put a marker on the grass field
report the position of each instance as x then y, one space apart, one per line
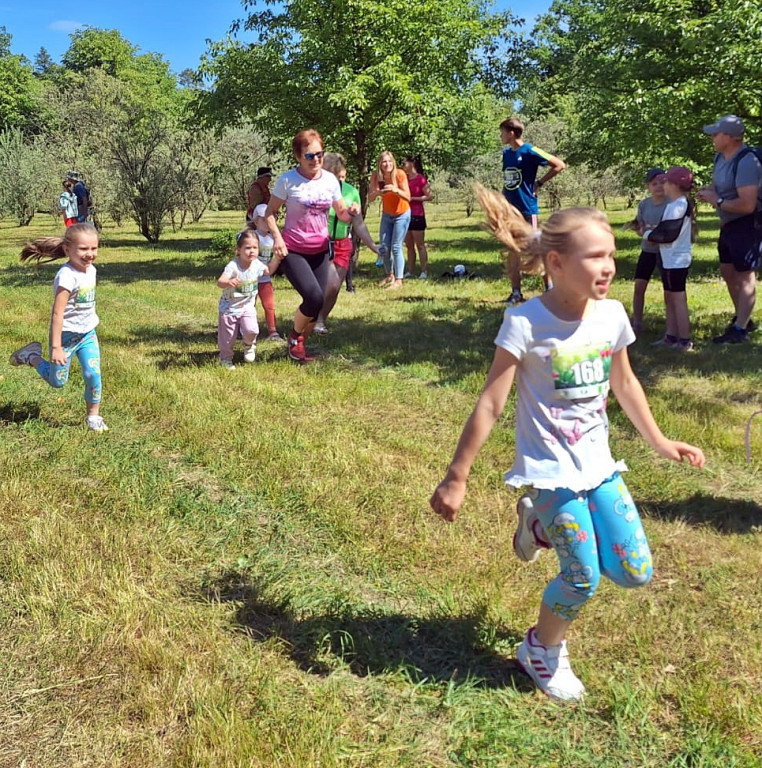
244 570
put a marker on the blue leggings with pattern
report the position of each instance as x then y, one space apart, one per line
85 347
593 532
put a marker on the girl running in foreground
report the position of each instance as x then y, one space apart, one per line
73 319
565 349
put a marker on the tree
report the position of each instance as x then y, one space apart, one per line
640 78
93 48
44 66
150 84
24 177
146 167
383 75
238 154
18 88
115 115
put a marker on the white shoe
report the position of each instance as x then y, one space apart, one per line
250 353
526 541
96 424
21 356
549 668
423 276
227 364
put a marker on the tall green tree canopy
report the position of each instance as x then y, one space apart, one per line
18 87
639 79
149 80
369 74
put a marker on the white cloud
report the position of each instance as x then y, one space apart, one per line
65 26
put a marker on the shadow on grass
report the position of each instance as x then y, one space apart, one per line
120 273
435 649
191 245
18 413
453 335
724 515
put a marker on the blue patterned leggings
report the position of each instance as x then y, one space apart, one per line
85 347
593 532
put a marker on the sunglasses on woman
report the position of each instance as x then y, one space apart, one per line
314 155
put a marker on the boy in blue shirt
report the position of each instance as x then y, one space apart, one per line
521 162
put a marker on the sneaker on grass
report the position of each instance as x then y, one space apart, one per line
96 424
296 349
665 341
250 353
227 364
529 538
515 298
22 356
549 668
734 335
751 326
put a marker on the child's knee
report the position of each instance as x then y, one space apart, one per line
633 574
57 378
579 582
633 570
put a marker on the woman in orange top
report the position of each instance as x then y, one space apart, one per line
390 183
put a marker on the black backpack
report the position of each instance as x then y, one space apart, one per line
753 257
757 152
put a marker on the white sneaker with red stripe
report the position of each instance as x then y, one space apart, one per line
529 538
549 668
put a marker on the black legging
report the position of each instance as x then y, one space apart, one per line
309 276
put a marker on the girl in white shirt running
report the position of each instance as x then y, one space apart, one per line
73 319
565 349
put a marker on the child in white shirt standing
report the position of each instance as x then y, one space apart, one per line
239 281
674 234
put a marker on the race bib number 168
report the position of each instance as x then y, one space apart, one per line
581 372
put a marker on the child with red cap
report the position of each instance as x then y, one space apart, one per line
674 235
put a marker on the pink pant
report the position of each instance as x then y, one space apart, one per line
227 332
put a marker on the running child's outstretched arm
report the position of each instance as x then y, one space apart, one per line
632 398
449 494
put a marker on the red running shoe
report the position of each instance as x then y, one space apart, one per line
296 349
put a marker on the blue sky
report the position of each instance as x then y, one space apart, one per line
176 29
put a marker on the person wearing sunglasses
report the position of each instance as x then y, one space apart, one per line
308 192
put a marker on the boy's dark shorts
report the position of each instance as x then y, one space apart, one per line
646 265
673 280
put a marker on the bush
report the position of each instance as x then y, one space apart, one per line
223 245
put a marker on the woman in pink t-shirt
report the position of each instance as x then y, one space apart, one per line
308 193
420 193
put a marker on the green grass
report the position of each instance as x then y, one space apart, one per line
244 570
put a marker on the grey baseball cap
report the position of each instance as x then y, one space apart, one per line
730 124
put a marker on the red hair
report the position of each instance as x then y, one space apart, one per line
305 138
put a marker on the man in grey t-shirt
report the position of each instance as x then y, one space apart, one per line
734 193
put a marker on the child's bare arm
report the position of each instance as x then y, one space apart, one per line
449 494
632 398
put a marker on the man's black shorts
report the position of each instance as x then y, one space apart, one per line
736 238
